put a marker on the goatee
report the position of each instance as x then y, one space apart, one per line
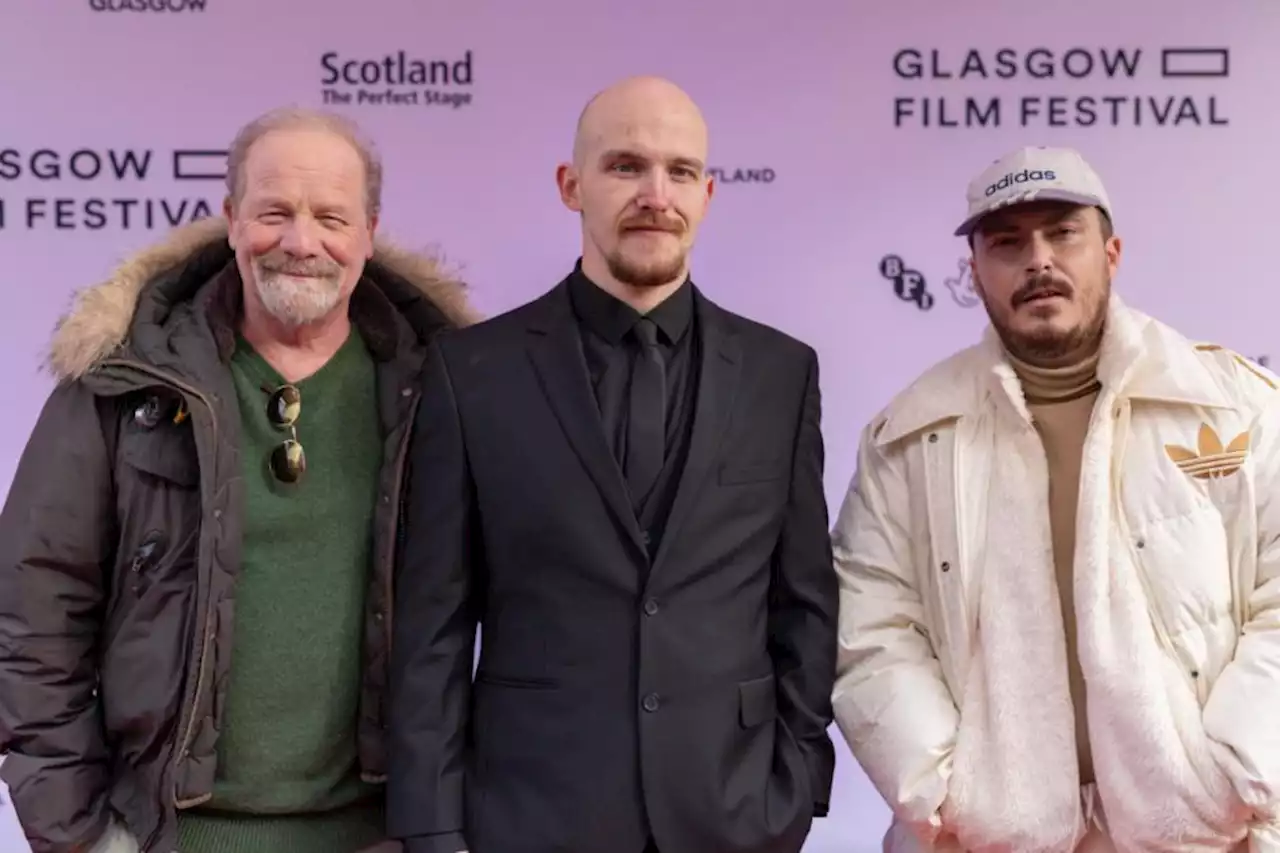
648 275
1049 346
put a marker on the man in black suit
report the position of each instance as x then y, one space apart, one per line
622 483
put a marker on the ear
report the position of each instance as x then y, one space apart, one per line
228 213
1112 249
973 274
373 228
711 187
570 185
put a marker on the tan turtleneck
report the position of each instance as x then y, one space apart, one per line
1061 400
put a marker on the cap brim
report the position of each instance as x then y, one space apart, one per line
969 225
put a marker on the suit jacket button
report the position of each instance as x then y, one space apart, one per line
651 607
651 702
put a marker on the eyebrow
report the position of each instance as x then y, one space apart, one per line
267 202
271 201
625 154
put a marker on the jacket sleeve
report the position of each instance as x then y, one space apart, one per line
433 641
56 533
891 701
804 600
1240 716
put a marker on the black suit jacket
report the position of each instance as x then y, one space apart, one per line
616 698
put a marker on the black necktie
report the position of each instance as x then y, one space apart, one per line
647 416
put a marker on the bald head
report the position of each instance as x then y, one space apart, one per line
640 182
633 106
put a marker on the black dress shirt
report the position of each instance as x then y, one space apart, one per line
605 322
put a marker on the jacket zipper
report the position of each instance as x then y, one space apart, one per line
206 633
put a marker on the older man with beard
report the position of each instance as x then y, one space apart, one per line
1060 561
196 552
625 488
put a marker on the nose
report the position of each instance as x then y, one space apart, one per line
300 237
1039 253
655 191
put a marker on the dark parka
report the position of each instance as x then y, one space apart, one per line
120 538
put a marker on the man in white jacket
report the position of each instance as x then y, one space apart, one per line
1060 562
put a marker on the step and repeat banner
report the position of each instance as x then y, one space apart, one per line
843 135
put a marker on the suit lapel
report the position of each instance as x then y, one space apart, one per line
718 379
556 351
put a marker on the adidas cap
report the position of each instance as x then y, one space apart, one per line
1033 174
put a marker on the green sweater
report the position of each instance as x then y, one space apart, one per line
288 778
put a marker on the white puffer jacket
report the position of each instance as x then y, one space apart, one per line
1177 596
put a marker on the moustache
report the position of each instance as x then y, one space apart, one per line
1041 285
312 268
650 223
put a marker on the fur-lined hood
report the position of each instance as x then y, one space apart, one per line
101 316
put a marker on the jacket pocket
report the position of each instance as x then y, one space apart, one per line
1204 651
1185 565
155 446
158 504
144 559
165 459
516 682
757 701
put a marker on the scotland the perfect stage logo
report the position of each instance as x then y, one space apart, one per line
397 79
1085 86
